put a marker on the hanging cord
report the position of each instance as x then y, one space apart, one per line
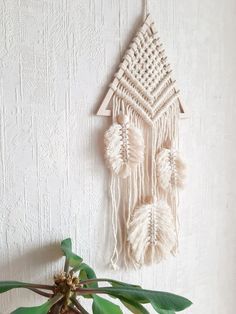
146 9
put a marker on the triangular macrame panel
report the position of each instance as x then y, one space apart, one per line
144 78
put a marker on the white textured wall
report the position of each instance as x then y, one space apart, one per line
56 58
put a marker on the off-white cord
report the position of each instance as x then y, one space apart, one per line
146 9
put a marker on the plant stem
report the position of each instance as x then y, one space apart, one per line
97 280
44 294
85 291
74 310
66 266
56 309
44 287
105 280
79 306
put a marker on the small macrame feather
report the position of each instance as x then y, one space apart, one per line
170 169
124 147
152 232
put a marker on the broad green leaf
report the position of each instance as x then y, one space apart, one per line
116 283
73 259
158 299
134 307
42 309
86 272
8 285
32 310
103 306
165 312
113 283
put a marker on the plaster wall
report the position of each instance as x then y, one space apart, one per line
56 59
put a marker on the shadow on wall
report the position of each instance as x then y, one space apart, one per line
34 261
32 266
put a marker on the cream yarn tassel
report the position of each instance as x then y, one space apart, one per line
151 232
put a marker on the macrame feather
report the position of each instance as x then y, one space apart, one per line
151 232
170 169
124 147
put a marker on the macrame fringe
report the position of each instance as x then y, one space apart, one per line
140 182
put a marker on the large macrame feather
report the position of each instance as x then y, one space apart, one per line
151 232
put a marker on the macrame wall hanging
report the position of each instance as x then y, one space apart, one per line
141 152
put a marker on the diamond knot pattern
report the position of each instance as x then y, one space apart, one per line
146 82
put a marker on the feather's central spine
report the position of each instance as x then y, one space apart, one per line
124 148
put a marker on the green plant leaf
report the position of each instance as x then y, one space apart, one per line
42 309
8 285
73 259
86 272
158 299
116 283
113 283
133 306
103 306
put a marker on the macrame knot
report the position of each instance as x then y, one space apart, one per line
122 119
